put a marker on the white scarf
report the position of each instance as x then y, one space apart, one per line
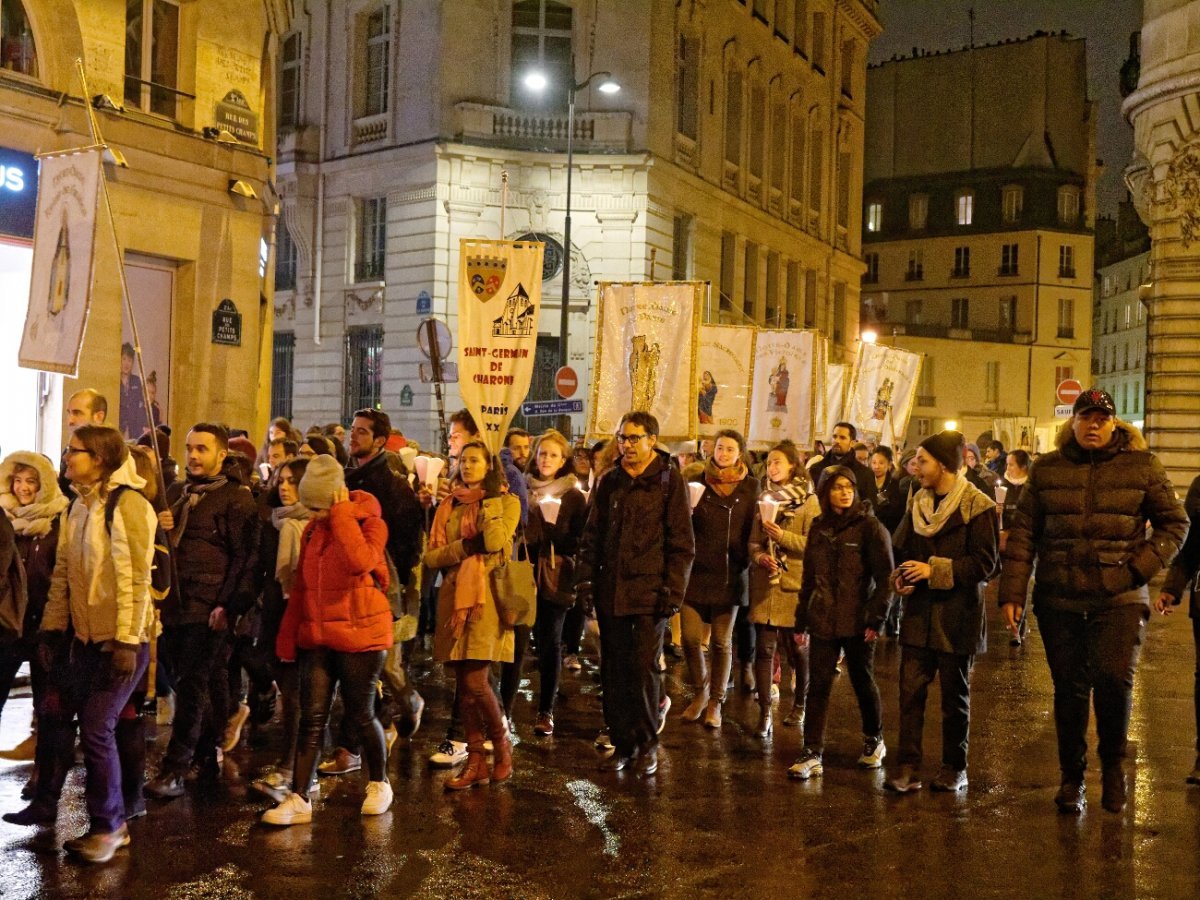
928 521
36 519
1016 482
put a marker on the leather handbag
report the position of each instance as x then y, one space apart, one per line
513 587
556 579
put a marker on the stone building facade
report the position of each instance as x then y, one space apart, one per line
1164 180
185 92
977 226
1119 335
731 154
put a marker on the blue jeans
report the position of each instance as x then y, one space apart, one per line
90 690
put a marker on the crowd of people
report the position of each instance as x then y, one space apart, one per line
264 582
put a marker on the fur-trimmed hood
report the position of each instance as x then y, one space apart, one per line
50 500
1127 437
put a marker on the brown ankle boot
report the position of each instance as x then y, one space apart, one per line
474 772
502 766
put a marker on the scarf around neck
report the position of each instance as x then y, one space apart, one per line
540 488
790 496
1016 482
723 481
281 514
928 521
470 586
35 519
194 490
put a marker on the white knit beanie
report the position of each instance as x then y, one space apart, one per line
322 478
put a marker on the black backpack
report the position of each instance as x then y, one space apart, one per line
160 567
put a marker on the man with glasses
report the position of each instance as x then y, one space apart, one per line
634 561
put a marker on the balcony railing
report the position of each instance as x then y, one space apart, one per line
954 332
593 132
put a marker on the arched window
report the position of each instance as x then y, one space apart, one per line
541 43
17 50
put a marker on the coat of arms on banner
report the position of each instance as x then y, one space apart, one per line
485 275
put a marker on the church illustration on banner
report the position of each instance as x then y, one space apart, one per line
517 320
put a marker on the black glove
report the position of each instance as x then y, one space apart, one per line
49 643
492 483
664 606
474 544
584 597
124 662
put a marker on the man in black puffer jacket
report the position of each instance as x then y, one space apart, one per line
1082 517
214 536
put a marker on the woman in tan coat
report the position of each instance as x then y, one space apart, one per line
777 554
472 528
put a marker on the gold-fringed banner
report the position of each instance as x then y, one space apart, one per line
647 339
499 302
784 388
724 366
882 392
64 239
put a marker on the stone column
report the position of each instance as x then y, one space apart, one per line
1164 179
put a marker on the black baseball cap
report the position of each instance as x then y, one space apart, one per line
1094 398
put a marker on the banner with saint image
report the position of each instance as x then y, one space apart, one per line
784 388
499 301
60 283
647 339
882 392
724 366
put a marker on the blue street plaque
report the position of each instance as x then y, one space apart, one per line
551 407
424 303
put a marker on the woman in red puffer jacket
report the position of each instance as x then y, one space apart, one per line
338 627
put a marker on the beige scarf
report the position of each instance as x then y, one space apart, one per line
928 521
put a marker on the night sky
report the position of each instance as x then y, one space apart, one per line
1107 24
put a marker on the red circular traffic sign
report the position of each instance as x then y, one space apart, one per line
1068 391
566 382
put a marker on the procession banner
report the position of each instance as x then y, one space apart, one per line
784 388
1016 432
647 339
834 397
64 239
724 366
882 392
499 301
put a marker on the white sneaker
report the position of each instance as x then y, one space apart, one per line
295 810
873 753
807 766
449 754
379 798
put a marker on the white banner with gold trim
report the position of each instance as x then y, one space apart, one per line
647 339
784 388
724 366
64 239
882 392
499 302
834 398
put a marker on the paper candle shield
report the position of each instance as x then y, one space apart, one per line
695 492
550 507
767 509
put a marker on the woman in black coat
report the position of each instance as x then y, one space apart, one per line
889 502
844 599
721 522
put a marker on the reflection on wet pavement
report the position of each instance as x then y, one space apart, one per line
719 819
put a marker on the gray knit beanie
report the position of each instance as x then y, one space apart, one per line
322 478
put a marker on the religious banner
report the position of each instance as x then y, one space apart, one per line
834 398
60 283
499 300
783 400
724 366
647 339
882 391
1016 432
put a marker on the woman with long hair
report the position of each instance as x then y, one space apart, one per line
472 529
557 514
777 550
100 605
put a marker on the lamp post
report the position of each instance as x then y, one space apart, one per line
536 81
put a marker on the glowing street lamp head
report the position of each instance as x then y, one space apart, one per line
951 425
869 337
608 86
536 81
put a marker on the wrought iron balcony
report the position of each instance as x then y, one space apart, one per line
596 132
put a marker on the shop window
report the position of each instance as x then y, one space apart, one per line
18 52
152 55
541 42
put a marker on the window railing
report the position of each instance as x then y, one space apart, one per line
369 269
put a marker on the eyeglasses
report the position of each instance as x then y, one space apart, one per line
71 451
630 438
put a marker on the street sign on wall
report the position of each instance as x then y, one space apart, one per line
551 407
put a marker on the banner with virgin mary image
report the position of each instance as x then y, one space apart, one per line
646 342
882 392
784 388
724 366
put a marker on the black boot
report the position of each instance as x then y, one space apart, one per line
1113 797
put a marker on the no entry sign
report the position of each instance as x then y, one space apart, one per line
566 382
1068 391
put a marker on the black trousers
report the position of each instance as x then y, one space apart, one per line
12 654
1092 660
629 650
321 671
918 666
573 630
1196 640
860 663
549 630
199 659
510 673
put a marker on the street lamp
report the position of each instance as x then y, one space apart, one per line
869 337
537 82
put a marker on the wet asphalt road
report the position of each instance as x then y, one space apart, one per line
719 819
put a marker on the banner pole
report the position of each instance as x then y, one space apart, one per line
503 199
98 140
